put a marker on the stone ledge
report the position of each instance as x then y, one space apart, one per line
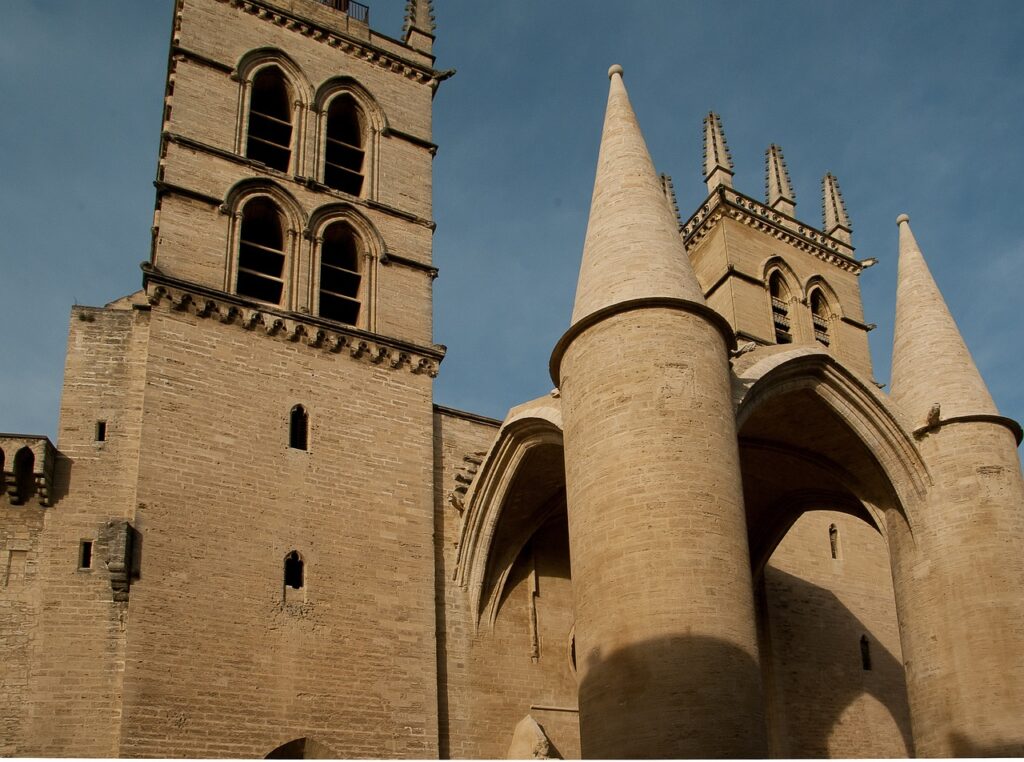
312 332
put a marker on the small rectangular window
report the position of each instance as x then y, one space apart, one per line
101 431
85 554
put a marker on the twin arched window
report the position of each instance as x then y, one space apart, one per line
262 259
270 132
781 300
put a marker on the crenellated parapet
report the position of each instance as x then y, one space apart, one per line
316 334
726 202
27 468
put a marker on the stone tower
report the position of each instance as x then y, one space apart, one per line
210 420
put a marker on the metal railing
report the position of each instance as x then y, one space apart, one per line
351 8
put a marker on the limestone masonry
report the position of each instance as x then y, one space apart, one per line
257 536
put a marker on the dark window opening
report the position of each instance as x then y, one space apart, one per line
833 540
261 252
85 555
101 431
270 120
24 479
819 316
3 475
343 147
298 428
294 576
780 308
339 274
865 653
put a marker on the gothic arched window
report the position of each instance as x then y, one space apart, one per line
261 251
780 308
820 314
340 276
270 120
343 146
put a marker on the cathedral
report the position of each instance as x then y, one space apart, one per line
258 536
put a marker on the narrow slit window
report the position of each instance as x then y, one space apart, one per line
270 120
820 316
340 278
298 428
865 653
833 540
343 146
780 308
294 572
101 431
85 554
261 252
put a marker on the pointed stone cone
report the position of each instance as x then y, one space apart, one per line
930 362
418 27
633 249
778 190
717 159
835 220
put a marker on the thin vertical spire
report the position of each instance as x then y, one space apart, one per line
833 209
717 159
778 190
419 17
633 248
933 374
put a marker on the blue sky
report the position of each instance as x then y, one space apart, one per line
916 107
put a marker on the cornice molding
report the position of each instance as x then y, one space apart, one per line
475 417
648 302
355 47
390 257
179 53
726 202
308 182
1000 420
314 333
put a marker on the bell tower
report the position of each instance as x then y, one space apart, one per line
776 279
275 421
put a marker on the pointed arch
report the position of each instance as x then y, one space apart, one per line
274 95
261 261
779 279
350 123
860 408
346 251
526 444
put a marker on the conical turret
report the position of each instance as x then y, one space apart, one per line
778 190
418 27
930 362
835 220
717 159
633 249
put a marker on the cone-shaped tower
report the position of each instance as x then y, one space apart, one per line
418 27
632 249
778 190
930 362
835 220
717 159
960 583
666 642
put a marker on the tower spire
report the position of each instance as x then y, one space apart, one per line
930 362
717 159
419 25
835 220
778 190
633 248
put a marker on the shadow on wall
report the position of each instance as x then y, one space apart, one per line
816 670
677 697
965 747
